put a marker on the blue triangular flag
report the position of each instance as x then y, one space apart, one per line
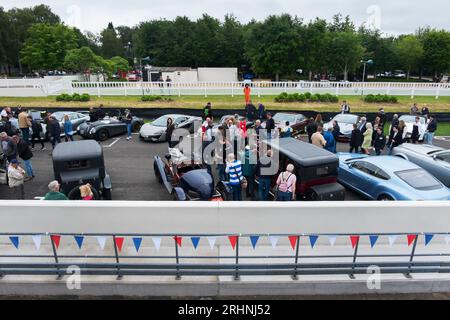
15 241
254 240
373 240
79 240
428 238
195 241
313 240
137 243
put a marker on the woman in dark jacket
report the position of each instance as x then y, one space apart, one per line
355 139
169 131
36 127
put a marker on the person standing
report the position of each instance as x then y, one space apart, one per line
355 139
417 131
379 142
54 192
169 131
207 112
9 147
36 127
317 138
68 128
319 120
234 170
330 142
345 108
431 129
101 114
249 171
93 116
395 139
311 128
425 111
54 130
16 176
128 119
382 115
24 152
247 93
221 153
261 111
286 184
250 112
264 179
414 110
286 132
336 130
367 142
24 125
270 125
207 139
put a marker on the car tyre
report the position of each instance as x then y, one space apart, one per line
385 197
137 127
103 135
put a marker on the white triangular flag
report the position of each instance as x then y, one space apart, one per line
392 240
212 242
37 239
274 241
101 242
332 240
157 243
447 239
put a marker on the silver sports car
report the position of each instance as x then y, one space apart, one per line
156 130
431 158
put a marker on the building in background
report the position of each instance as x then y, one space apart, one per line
189 75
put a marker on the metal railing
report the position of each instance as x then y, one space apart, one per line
118 263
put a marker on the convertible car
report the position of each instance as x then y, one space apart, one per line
409 121
108 127
297 121
187 179
389 178
433 159
345 122
156 131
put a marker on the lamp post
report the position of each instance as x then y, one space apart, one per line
368 62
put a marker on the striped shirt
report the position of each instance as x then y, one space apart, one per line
234 169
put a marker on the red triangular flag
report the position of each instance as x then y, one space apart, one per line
233 241
179 240
293 241
411 238
355 240
119 243
56 240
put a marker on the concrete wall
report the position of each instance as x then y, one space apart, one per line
217 74
182 76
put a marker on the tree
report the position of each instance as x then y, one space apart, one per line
345 52
118 64
111 44
273 46
230 39
315 39
409 51
47 45
436 57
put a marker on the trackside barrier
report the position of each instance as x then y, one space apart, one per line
234 239
260 88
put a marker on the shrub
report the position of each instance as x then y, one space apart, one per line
315 98
370 98
75 97
85 97
302 97
308 95
152 98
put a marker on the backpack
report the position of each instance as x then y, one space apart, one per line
284 187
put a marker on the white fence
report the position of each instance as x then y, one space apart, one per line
10 87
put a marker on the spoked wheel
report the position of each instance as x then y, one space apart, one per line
103 135
385 197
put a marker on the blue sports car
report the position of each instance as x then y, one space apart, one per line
389 178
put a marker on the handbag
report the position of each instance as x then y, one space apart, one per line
244 182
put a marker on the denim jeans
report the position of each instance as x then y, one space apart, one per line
28 168
129 130
429 138
284 196
237 192
263 189
221 172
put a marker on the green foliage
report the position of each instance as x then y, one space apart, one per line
155 98
409 52
370 98
75 97
306 97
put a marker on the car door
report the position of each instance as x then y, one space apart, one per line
76 121
361 177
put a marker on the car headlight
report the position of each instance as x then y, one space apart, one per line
92 131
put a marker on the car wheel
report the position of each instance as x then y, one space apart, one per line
385 197
136 127
103 135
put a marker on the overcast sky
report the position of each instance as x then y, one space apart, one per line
391 16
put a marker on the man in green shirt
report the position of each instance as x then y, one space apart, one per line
54 193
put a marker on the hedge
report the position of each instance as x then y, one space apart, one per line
306 97
379 98
154 98
75 97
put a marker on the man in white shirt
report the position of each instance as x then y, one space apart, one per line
16 177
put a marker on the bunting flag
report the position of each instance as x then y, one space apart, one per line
137 243
373 240
354 240
392 239
119 243
212 242
37 239
313 240
332 240
254 240
293 240
274 241
157 243
411 239
178 240
447 238
233 241
56 239
15 241
79 240
428 238
101 242
195 242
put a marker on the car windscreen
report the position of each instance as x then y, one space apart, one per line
283 117
59 115
161 122
346 118
419 179
444 156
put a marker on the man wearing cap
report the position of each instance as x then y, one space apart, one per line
128 118
16 179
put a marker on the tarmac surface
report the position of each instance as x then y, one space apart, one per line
130 165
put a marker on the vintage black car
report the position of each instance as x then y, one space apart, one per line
108 127
78 163
3 170
316 169
187 179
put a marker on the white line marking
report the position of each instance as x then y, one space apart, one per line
113 143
